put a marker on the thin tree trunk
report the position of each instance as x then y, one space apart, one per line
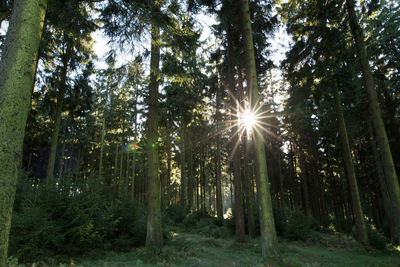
218 177
103 131
121 165
269 238
377 121
154 235
303 176
58 112
350 173
189 169
239 216
115 166
134 155
169 167
17 68
183 194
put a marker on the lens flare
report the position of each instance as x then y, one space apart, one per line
249 120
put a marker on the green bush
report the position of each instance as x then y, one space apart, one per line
175 213
193 218
299 226
343 225
72 219
376 238
280 214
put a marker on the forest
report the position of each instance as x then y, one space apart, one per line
199 133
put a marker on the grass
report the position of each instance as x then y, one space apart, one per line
191 249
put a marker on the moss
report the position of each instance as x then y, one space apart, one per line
17 69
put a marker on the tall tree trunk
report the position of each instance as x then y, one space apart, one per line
58 112
17 68
247 178
169 167
382 184
183 193
269 239
218 191
115 166
247 187
304 180
203 179
218 177
350 173
103 131
239 216
189 168
154 233
376 118
134 155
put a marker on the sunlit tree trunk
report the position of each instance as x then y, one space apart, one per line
154 233
267 225
247 180
350 173
58 112
376 118
17 69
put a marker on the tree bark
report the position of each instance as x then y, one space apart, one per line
377 121
183 192
154 233
239 216
134 155
350 173
269 238
17 68
382 184
103 131
218 189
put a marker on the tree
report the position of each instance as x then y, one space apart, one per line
17 70
267 225
154 233
376 118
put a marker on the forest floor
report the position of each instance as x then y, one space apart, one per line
193 249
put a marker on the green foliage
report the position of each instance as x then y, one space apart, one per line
70 219
203 223
280 217
376 238
342 225
176 213
299 226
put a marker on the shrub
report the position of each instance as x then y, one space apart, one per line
73 219
280 214
343 225
299 226
376 238
175 213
